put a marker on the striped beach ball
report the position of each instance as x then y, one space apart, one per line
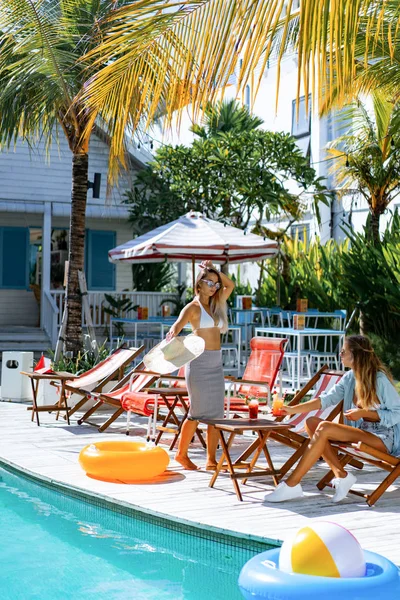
324 549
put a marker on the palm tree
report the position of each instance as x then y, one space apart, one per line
42 43
198 45
367 160
225 116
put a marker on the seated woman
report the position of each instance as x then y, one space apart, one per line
372 415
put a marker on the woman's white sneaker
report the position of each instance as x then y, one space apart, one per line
342 486
284 492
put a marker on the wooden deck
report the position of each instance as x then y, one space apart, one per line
51 451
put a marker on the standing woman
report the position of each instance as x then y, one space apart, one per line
207 315
372 415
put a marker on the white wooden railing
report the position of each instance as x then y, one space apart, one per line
51 317
97 302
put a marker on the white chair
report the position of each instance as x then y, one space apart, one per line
290 360
231 349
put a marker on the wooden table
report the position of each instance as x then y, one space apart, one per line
172 397
35 380
234 427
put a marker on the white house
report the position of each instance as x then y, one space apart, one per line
34 223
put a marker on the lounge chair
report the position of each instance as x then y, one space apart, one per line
93 380
134 382
297 437
260 374
129 395
172 400
366 454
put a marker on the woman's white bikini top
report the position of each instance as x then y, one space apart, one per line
206 320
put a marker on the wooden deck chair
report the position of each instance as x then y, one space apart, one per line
297 437
171 403
259 376
94 380
366 454
129 395
136 381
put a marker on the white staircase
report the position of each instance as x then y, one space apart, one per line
19 338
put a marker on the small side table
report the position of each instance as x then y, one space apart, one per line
35 380
172 397
263 428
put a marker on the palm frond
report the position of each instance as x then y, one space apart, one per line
154 54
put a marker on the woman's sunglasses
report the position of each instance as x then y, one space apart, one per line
211 284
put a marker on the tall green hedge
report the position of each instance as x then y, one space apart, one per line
345 275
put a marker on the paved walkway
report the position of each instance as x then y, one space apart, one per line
51 451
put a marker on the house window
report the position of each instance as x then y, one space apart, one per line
247 96
100 273
301 126
304 144
14 263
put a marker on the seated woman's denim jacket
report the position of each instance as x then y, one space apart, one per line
388 409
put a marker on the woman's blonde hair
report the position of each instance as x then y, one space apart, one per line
366 366
218 307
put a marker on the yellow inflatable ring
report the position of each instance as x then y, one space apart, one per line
123 461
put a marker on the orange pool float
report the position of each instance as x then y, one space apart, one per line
123 461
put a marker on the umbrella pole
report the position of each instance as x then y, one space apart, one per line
193 277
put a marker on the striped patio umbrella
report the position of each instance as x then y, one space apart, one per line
194 237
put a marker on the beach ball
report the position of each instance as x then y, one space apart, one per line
325 549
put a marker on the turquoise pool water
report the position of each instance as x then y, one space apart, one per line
56 547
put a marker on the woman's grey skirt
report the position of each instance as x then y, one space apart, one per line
205 383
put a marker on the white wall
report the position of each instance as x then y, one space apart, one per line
19 307
28 176
31 175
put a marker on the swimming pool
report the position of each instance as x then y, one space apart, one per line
55 546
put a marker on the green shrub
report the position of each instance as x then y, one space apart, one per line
343 275
389 353
84 361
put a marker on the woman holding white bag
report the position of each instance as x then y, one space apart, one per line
207 315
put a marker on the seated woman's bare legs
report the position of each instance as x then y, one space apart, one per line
329 455
187 432
325 432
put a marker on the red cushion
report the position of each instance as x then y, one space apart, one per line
139 402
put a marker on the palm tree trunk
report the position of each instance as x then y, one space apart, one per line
80 164
375 218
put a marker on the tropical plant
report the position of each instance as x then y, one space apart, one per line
180 301
343 275
117 308
367 158
372 273
308 270
151 277
82 362
224 116
43 73
339 43
241 288
236 175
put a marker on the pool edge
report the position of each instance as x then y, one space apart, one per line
121 506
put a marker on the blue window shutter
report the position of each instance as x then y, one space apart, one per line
14 243
100 272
